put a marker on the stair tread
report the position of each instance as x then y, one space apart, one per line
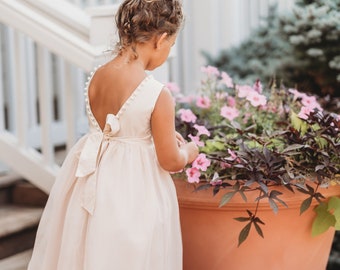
16 262
16 218
9 179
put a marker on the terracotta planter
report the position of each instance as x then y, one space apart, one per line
210 234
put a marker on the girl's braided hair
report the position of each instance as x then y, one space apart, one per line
138 21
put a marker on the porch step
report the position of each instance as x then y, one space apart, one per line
7 183
21 206
18 225
16 262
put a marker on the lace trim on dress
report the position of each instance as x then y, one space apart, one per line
121 110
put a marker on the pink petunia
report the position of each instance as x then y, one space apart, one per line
304 112
187 115
173 87
226 79
258 86
202 130
243 90
186 99
229 112
201 162
193 175
221 95
231 101
224 165
296 93
210 71
196 140
203 102
232 154
256 99
311 102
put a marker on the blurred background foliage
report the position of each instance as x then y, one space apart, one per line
300 49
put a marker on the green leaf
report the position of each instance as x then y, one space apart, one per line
324 219
305 204
273 205
242 219
244 234
293 147
298 123
226 198
334 206
244 197
258 229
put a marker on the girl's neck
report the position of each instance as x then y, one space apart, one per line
125 60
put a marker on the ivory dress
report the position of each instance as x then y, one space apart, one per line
112 205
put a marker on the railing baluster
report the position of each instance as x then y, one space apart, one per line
10 77
2 101
69 95
45 104
31 83
20 90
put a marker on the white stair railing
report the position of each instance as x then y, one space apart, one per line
47 53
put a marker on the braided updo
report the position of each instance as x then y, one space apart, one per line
138 21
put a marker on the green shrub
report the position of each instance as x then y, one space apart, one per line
300 48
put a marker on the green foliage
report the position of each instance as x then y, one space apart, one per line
328 215
252 220
300 48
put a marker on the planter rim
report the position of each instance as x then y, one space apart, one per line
204 199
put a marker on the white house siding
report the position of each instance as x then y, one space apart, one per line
212 25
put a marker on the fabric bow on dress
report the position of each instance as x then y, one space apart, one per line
90 158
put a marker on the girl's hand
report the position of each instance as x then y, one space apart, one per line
180 139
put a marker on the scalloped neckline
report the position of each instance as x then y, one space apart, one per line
121 109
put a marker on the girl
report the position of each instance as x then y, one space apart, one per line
114 204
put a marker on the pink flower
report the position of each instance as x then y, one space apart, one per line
310 101
304 112
296 93
193 175
196 140
232 154
258 86
187 115
243 90
203 102
221 95
256 99
202 130
186 99
210 71
231 101
173 87
216 182
246 117
224 165
229 113
226 79
201 162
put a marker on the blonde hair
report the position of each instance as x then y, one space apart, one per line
138 21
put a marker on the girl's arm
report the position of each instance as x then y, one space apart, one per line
172 155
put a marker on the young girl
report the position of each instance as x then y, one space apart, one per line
114 204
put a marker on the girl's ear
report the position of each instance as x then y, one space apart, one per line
160 39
